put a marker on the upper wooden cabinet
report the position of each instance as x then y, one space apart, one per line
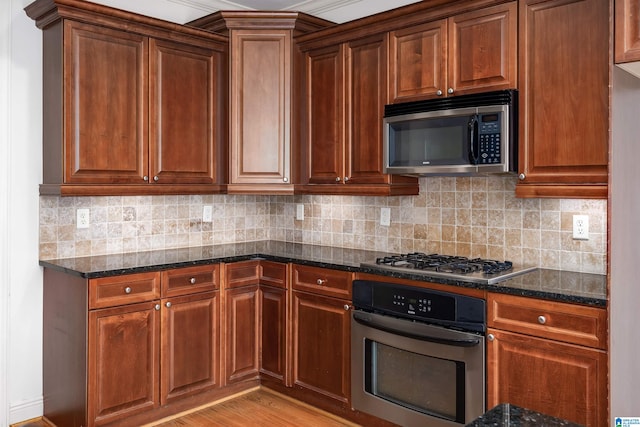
564 98
345 98
469 52
262 69
132 105
627 25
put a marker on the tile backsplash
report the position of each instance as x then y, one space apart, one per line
470 216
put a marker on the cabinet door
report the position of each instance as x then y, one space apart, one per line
418 61
242 326
124 362
105 105
183 112
190 345
322 345
564 98
260 107
483 49
273 332
627 28
325 109
367 96
562 380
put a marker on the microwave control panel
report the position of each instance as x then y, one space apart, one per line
489 141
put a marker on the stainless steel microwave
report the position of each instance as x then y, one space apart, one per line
460 135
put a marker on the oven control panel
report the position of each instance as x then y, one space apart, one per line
420 304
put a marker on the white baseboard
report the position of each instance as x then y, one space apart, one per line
26 410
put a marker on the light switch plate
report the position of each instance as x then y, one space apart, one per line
385 216
207 213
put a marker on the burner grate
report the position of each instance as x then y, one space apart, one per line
445 263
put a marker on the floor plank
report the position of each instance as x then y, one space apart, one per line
259 408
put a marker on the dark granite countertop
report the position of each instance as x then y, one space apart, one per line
506 415
555 285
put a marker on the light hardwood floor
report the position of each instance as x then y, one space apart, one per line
259 407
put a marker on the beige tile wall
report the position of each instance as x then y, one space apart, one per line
478 217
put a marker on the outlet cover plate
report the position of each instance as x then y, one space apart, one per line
581 227
82 218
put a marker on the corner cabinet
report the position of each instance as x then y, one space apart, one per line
263 115
564 98
344 103
469 52
132 105
256 321
549 357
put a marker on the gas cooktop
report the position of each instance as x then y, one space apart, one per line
475 270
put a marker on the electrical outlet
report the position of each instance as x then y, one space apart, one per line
82 218
581 227
300 212
385 216
207 213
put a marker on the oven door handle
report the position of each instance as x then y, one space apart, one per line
380 324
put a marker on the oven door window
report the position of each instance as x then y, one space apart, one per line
422 383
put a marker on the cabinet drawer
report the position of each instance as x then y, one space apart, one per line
126 289
189 280
241 273
273 274
322 281
569 323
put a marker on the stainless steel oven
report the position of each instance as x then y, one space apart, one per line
418 355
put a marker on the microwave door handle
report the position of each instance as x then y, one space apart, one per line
473 143
380 324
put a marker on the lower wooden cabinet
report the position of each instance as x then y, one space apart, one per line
322 345
563 380
256 314
273 333
119 347
123 362
190 345
242 351
549 357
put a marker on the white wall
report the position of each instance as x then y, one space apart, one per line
20 164
5 23
625 248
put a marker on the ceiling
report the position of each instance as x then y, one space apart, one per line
181 11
